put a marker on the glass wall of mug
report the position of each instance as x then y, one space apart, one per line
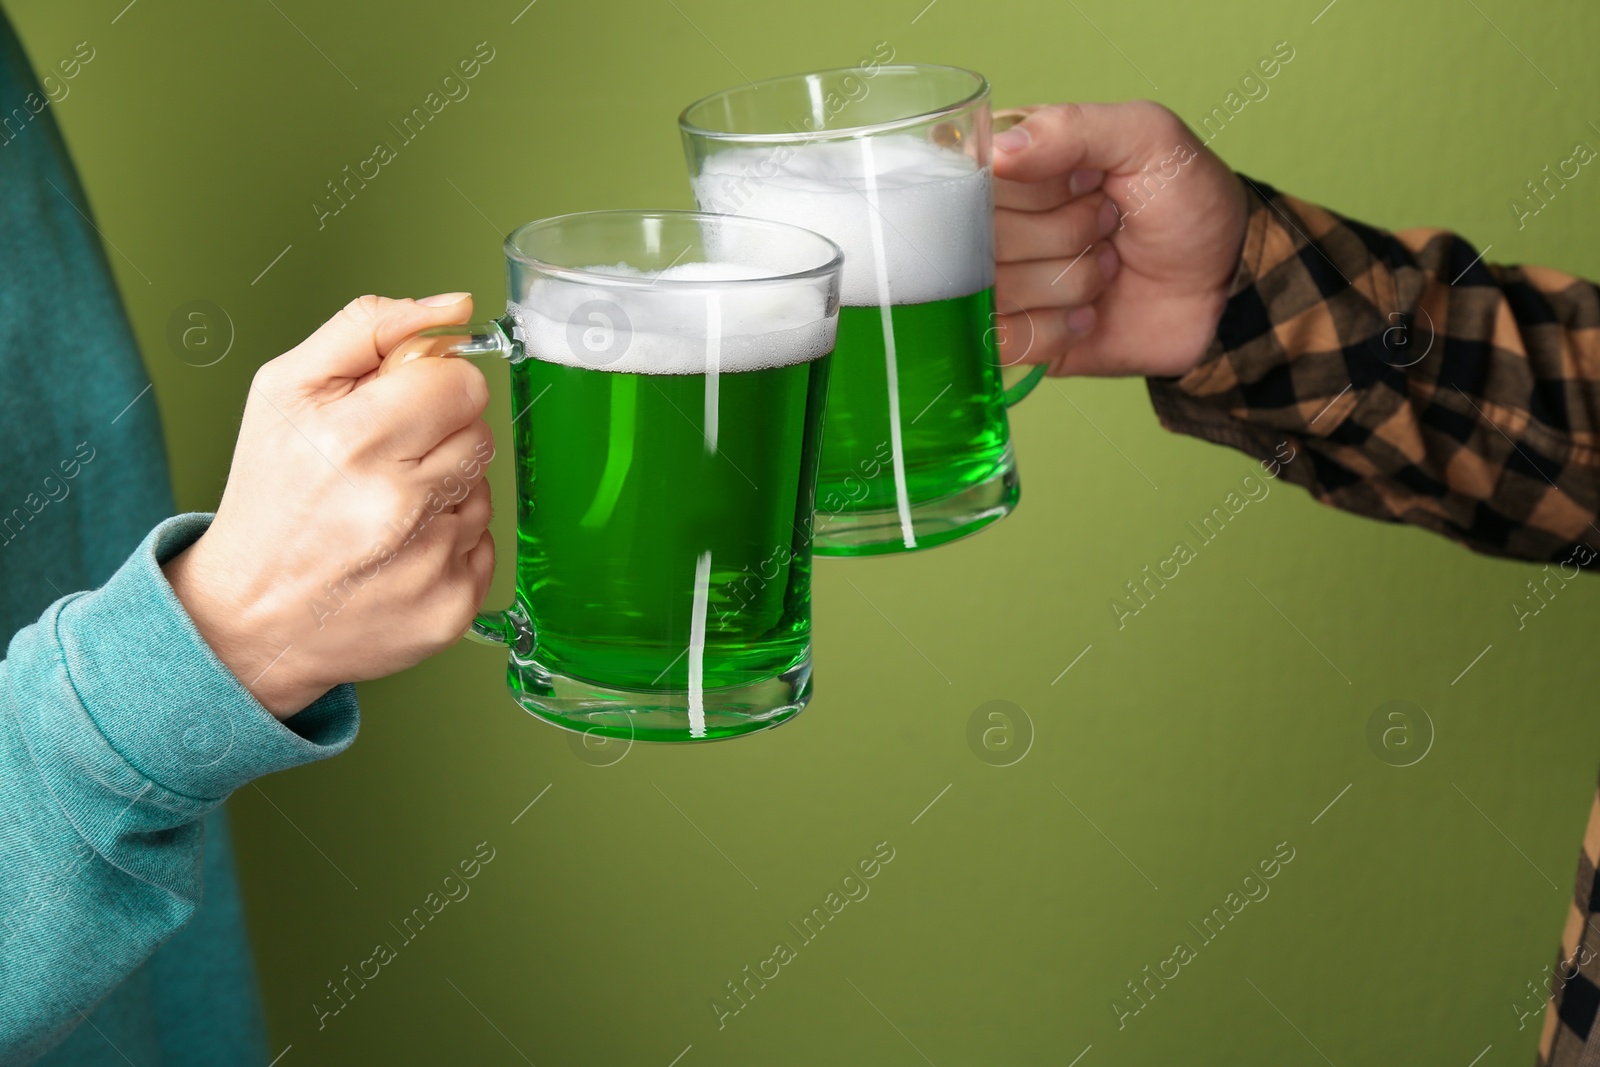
893 164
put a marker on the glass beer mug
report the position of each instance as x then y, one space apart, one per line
668 375
893 164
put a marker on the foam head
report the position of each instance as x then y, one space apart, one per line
737 320
907 212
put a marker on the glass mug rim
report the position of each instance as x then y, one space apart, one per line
513 248
975 98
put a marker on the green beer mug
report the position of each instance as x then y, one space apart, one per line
892 163
668 376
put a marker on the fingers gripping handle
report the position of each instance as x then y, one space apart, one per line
1004 120
510 627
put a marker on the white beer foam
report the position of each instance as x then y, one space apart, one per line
670 330
933 207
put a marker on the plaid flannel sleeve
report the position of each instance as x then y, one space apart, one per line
1423 385
1570 1036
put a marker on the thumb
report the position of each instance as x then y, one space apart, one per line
1059 138
352 343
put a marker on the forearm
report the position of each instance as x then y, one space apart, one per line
1419 384
119 731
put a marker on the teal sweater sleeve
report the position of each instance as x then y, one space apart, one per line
119 730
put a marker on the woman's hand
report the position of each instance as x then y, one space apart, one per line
351 541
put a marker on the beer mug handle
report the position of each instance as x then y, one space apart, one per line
1024 386
499 337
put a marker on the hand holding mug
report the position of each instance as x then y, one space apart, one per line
1167 214
351 541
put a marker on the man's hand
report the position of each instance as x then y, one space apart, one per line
351 540
1162 217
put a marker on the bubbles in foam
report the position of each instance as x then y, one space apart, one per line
670 329
933 209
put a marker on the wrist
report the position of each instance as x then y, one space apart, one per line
246 630
1234 272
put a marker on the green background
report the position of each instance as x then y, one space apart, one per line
1190 743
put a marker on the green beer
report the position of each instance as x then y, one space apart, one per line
624 519
916 446
953 427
